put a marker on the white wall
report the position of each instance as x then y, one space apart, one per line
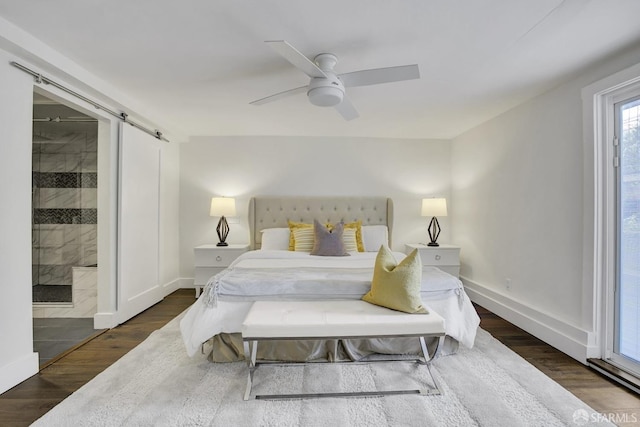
522 195
17 360
242 167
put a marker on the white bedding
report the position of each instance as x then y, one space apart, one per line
288 275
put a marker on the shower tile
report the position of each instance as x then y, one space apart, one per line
59 198
89 180
89 255
85 278
65 216
51 235
50 255
52 163
92 141
37 312
73 162
88 198
51 293
72 255
54 275
89 162
88 234
84 301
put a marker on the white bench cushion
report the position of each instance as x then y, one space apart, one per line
327 319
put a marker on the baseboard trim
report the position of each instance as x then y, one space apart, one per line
186 283
571 340
17 371
171 286
104 320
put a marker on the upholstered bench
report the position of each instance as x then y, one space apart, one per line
326 320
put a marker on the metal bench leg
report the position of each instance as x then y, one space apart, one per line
250 352
427 362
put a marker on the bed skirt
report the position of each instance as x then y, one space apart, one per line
226 347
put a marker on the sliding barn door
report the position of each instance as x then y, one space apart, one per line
139 223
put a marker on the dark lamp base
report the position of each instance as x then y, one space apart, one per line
222 244
433 244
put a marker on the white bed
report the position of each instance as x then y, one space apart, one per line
270 273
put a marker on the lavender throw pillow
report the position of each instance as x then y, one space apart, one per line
328 242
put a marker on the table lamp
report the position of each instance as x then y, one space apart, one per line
434 207
222 207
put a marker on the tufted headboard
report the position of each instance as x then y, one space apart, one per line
275 212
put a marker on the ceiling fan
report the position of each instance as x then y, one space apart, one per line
326 88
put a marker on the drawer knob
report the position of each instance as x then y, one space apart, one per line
438 257
218 258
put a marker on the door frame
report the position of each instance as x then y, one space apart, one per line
599 230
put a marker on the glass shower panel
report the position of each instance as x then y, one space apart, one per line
64 208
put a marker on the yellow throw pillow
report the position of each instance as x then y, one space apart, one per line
397 286
357 225
349 239
293 226
304 239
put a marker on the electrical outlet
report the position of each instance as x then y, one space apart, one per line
507 283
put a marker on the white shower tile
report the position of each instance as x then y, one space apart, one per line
85 277
89 162
52 162
50 255
51 235
59 198
88 198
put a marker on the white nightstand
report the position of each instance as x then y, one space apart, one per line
445 257
211 260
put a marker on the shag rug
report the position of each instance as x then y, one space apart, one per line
157 384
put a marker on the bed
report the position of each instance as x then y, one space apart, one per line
270 271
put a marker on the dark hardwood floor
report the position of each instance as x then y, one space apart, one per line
29 400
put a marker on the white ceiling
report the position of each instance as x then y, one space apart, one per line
198 63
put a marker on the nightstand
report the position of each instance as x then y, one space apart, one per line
445 257
211 260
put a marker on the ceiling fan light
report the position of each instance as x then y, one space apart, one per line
325 96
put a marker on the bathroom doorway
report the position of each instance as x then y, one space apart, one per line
64 226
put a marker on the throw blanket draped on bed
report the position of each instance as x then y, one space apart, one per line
287 275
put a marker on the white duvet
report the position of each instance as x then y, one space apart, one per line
287 275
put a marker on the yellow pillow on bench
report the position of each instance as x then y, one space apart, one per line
397 286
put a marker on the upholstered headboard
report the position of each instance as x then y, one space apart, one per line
275 212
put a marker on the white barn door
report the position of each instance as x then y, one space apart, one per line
138 223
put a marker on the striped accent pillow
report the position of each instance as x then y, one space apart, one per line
349 240
303 239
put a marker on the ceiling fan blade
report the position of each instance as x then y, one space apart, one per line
280 95
380 75
347 110
292 55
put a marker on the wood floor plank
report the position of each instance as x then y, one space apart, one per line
31 399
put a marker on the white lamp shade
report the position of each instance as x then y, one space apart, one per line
223 206
434 207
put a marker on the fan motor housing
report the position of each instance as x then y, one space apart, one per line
325 92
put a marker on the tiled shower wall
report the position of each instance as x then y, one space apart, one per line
64 205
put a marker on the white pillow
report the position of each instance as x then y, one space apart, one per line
275 239
374 236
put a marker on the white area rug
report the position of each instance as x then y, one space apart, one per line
157 384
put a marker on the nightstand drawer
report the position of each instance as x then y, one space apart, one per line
438 257
203 274
206 257
445 257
